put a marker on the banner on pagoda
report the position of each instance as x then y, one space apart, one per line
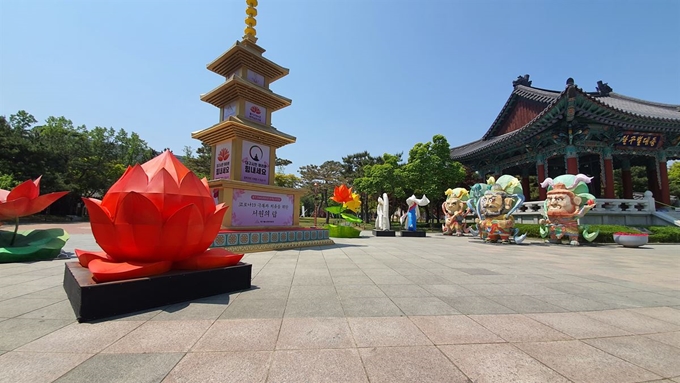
223 161
255 163
257 208
640 140
256 112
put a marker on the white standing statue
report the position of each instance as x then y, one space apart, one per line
413 213
382 222
303 210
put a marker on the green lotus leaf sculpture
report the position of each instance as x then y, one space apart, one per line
32 245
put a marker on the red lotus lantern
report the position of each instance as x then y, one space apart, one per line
156 217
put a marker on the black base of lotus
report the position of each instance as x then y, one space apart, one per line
91 300
384 233
406 233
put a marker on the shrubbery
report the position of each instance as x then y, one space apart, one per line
658 234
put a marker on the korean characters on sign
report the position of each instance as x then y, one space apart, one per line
255 163
223 161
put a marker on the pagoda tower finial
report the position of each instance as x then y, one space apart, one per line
251 11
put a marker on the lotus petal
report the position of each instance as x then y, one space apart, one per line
138 227
103 230
212 226
210 259
134 180
85 257
103 271
26 189
181 234
193 191
14 208
170 163
41 203
164 192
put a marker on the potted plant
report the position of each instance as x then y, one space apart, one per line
631 239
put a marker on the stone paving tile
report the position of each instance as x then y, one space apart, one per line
314 333
612 300
346 272
83 338
313 280
428 279
578 325
448 290
35 367
585 363
59 310
161 336
424 306
492 363
574 302
526 304
454 329
409 364
670 338
359 291
654 356
647 298
317 292
518 328
266 292
18 331
317 307
240 335
666 314
632 322
56 292
391 331
476 305
404 291
352 280
368 307
319 366
223 367
123 368
191 311
17 306
390 280
255 308
278 280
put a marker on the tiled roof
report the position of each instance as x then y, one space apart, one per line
639 107
615 101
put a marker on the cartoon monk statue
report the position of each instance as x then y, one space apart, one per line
567 200
495 209
455 209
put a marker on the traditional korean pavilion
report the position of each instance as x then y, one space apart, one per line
545 133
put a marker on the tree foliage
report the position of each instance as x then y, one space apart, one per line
674 179
85 162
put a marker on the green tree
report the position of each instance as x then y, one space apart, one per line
199 164
674 179
430 171
320 181
353 168
384 177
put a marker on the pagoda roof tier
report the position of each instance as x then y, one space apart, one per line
236 127
248 54
236 86
529 111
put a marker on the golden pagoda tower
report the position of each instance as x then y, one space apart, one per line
244 144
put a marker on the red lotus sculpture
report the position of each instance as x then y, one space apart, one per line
25 199
156 217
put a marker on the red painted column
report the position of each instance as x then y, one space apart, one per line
626 179
526 186
540 173
572 160
653 180
665 195
608 175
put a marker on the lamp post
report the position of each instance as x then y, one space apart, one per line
316 203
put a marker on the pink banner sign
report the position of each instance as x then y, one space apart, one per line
256 208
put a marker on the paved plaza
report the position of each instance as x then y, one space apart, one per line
372 309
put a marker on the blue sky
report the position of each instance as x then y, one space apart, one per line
375 75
